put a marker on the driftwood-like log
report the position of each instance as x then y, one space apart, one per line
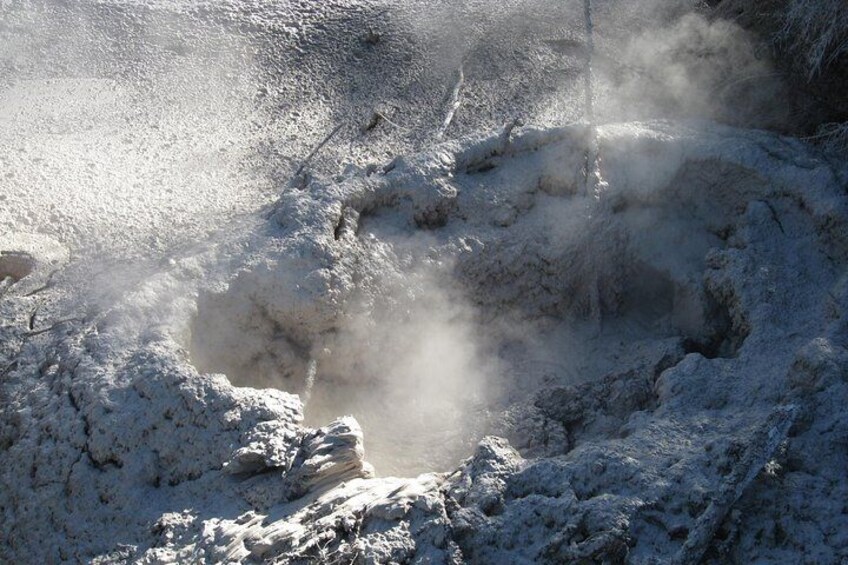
760 451
453 102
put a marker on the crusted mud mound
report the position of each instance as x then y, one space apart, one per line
656 373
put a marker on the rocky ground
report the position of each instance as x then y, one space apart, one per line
437 341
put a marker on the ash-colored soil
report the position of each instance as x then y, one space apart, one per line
434 344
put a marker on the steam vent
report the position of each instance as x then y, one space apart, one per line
423 282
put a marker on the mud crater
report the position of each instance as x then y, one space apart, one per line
603 275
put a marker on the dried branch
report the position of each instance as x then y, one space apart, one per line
318 148
760 451
594 182
53 327
454 101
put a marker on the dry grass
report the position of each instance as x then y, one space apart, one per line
817 31
809 39
813 31
832 137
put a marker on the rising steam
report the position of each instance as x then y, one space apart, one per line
416 369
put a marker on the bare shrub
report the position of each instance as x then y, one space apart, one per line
817 31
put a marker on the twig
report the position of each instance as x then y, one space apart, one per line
507 131
53 327
390 122
490 160
588 90
318 148
831 136
830 129
378 117
594 182
454 101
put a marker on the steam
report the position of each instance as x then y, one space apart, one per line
415 367
691 67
